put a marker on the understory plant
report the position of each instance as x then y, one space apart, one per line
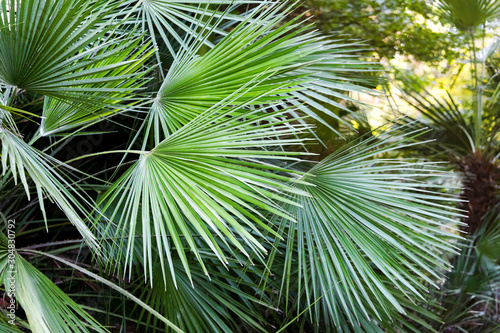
466 134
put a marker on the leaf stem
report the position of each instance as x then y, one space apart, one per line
477 88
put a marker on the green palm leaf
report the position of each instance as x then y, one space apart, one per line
204 179
356 241
48 308
334 72
19 158
216 305
468 14
61 115
295 61
61 49
451 132
6 328
368 225
193 84
177 23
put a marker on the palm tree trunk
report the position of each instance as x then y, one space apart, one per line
480 190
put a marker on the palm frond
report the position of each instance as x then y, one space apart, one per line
20 159
318 77
469 295
62 115
61 49
220 304
205 179
468 14
47 307
451 131
335 72
193 83
177 23
367 225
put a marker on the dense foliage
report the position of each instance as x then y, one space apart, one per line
157 175
408 28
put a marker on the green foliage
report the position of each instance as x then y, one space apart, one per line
202 180
72 55
469 294
19 158
331 251
47 307
465 132
193 84
159 147
469 14
389 27
214 305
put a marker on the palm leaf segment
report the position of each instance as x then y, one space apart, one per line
295 64
62 50
193 84
212 304
205 179
47 307
334 72
451 128
208 175
19 158
367 226
468 14
177 23
63 115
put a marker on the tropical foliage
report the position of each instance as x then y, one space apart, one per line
465 133
157 176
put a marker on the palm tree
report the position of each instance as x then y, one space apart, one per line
465 133
152 182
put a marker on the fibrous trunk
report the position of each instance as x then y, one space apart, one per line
480 176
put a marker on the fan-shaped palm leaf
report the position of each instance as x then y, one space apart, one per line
20 158
204 179
468 14
334 72
177 23
451 132
319 74
62 49
367 226
216 305
60 115
193 84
